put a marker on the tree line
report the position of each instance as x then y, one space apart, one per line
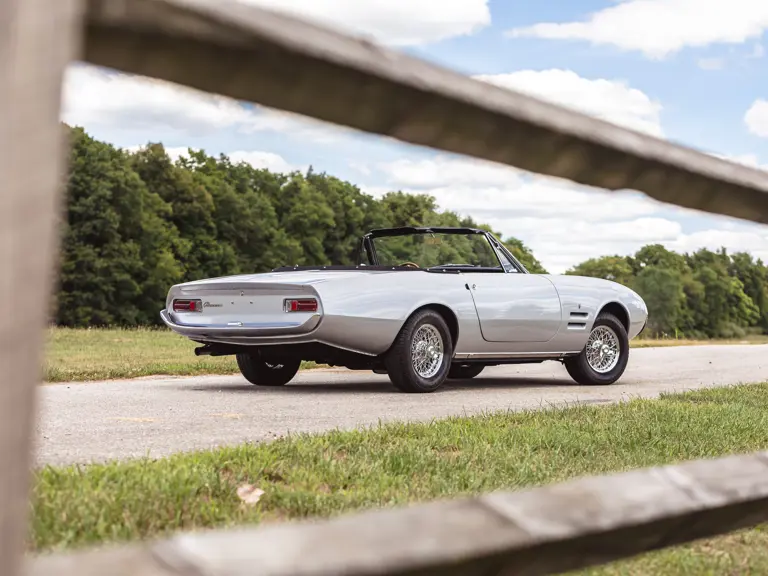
705 294
136 223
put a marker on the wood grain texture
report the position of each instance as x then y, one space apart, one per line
259 56
262 57
546 530
37 40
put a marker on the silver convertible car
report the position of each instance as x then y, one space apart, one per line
421 305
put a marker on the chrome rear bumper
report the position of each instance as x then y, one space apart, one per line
241 329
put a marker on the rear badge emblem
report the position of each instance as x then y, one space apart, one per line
209 305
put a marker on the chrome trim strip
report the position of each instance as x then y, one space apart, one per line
505 355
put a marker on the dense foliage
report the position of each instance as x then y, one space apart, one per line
136 223
700 295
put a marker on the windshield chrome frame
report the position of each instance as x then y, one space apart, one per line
498 247
368 247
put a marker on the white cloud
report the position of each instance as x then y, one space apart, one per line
611 100
123 105
394 22
449 171
99 98
263 160
658 28
607 239
711 63
738 238
360 167
750 160
173 153
560 243
539 197
756 118
258 159
563 223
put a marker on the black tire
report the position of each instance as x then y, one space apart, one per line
579 368
465 371
399 361
261 373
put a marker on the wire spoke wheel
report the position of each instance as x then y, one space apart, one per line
603 349
420 357
262 373
427 351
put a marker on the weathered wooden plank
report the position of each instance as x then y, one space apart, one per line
547 530
37 40
278 61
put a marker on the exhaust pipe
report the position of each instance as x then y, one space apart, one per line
217 350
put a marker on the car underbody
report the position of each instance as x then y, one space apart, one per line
327 355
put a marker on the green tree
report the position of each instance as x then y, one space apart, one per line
116 254
524 255
615 268
137 223
753 275
725 309
247 222
662 290
192 213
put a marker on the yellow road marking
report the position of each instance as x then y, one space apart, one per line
130 419
228 415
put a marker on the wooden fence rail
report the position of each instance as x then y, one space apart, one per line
547 530
255 55
270 59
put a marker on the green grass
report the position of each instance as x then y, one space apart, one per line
102 354
664 342
325 475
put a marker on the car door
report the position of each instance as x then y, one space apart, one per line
514 306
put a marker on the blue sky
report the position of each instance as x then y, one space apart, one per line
686 70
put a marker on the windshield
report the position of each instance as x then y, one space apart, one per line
436 250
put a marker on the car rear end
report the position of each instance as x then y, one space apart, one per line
245 310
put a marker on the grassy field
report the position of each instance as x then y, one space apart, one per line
660 343
101 354
325 475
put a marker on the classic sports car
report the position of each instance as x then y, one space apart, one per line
421 305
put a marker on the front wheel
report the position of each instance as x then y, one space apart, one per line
262 373
420 357
605 355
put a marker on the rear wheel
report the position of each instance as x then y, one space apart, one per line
420 358
262 373
605 355
465 371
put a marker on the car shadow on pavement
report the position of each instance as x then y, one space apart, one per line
496 382
383 386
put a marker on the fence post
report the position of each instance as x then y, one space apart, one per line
38 38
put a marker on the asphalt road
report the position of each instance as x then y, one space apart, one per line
158 416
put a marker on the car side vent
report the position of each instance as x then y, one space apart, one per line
578 325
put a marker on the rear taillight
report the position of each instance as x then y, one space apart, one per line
187 305
300 305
